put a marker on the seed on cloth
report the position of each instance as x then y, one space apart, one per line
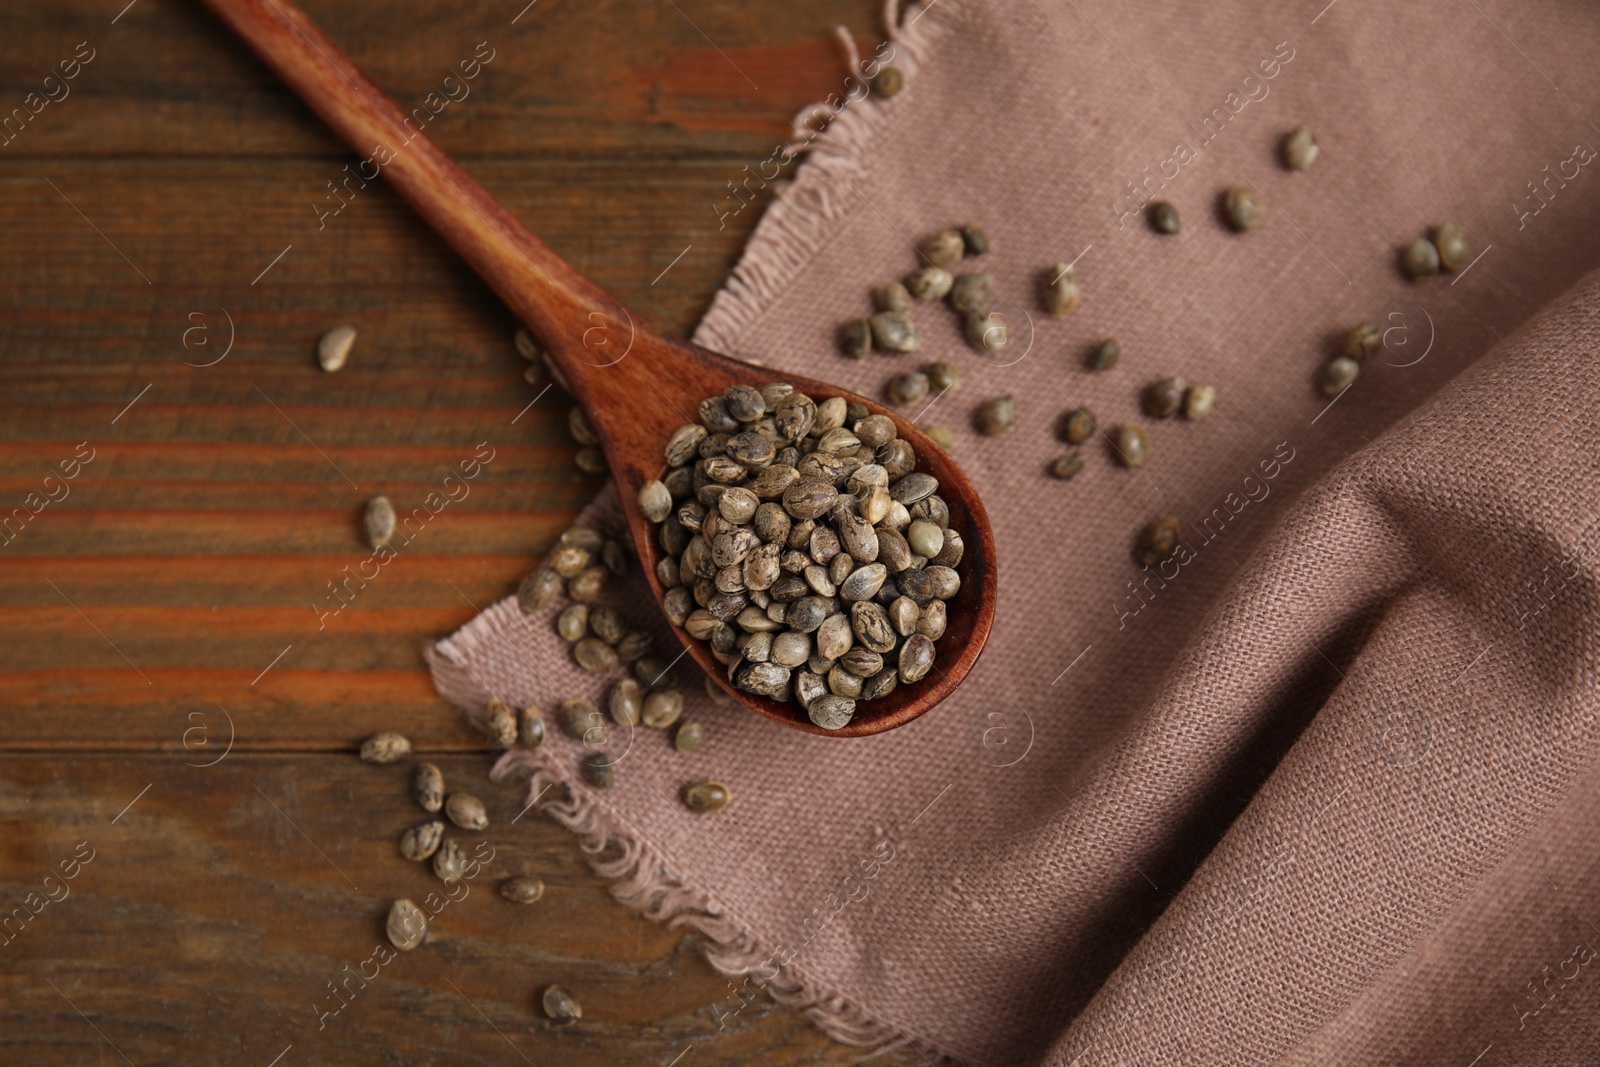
1242 208
538 590
1338 375
986 331
527 347
466 811
531 726
893 331
944 248
1163 217
971 292
422 840
941 436
1061 290
560 1007
406 926
573 623
594 655
598 770
1132 444
1158 540
929 283
626 702
654 673
655 503
1066 466
892 296
1105 354
942 376
855 338
1163 398
1299 148
589 583
606 623
1078 426
888 81
661 708
706 797
379 521
524 889
448 862
385 748
568 561
1451 242
975 240
1199 401
333 349
582 722
831 711
1420 259
427 787
1363 342
688 736
500 725
907 388
995 417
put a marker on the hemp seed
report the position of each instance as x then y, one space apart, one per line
892 296
704 798
944 248
907 388
500 725
626 702
1131 444
655 502
525 889
448 862
527 347
407 925
929 283
971 292
941 436
1363 342
893 331
385 748
1078 426
466 811
531 726
831 711
1067 466
887 82
1105 354
1451 242
995 417
1163 217
1243 208
1420 259
1199 402
1339 374
379 521
1061 290
538 590
594 655
599 770
1158 541
1299 148
986 331
975 240
333 349
427 787
573 623
855 341
688 736
422 840
1163 398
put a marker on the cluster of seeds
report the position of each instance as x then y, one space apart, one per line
814 559
581 565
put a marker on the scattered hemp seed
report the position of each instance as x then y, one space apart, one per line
944 248
892 296
908 388
379 521
560 1006
578 426
466 811
893 331
530 725
1199 402
1163 217
385 748
1066 466
941 436
1061 290
525 889
1105 354
599 770
705 798
1451 242
1158 541
407 925
1362 342
1131 444
500 726
1163 398
976 241
1420 260
1242 208
655 502
333 349
942 376
590 461
1338 375
1299 148
422 840
888 81
527 347
995 417
929 283
986 331
689 736
1078 426
971 292
427 788
855 338
535 374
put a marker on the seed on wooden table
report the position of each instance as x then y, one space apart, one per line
1163 398
538 590
892 296
589 583
333 349
590 461
534 374
527 347
941 436
1131 444
578 426
1338 375
944 248
1163 217
379 521
599 771
1420 259
448 862
907 388
1451 242
995 417
407 925
975 240
1061 290
573 623
1158 540
560 1006
688 737
524 889
888 81
929 283
500 725
466 811
1105 355
703 798
661 708
1199 401
427 787
385 748
1066 466
1299 148
1242 208
893 331
422 840
531 726
971 292
582 722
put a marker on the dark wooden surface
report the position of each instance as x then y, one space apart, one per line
139 611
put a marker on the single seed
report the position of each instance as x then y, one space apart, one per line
560 1007
908 388
929 283
590 461
634 644
975 240
406 926
986 331
466 811
916 659
532 726
385 748
527 347
1362 342
538 590
1105 355
448 862
875 430
568 560
1066 466
422 840
1163 398
1451 242
534 374
500 725
831 711
655 503
1199 401
427 787
662 709
606 624
1420 259
888 81
892 296
653 673
942 376
1163 217
379 521
971 292
944 248
626 702
599 770
585 537
855 338
1158 541
1339 374
333 349
1132 444
1078 426
995 417
578 426
719 696
1061 290
1299 148
522 890
582 722
703 798
589 583
594 655
893 331
1242 208
941 436
573 623
689 736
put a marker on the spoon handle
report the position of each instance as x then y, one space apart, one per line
563 308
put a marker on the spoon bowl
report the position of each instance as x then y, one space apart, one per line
636 385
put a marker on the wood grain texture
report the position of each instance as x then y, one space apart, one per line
143 206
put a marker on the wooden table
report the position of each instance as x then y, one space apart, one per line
180 484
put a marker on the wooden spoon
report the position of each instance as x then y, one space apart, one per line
637 386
